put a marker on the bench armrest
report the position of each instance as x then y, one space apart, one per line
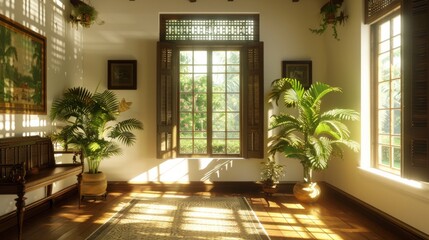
13 173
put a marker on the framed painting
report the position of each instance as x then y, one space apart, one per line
22 69
122 74
300 70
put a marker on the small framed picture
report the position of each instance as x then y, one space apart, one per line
122 74
300 70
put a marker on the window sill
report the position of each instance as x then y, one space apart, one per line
417 189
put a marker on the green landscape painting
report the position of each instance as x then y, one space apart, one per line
22 69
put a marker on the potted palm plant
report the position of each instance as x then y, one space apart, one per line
332 15
309 134
270 175
90 124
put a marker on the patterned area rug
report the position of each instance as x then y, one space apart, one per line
183 218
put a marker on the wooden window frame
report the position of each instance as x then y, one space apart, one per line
252 103
375 97
415 86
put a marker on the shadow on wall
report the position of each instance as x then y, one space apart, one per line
183 170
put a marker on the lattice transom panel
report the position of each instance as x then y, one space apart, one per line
217 27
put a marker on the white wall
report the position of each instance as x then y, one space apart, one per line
131 31
348 67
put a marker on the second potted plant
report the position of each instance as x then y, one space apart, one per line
271 173
310 135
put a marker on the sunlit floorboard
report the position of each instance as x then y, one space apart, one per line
282 218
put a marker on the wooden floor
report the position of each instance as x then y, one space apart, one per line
283 218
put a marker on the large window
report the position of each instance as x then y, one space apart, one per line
209 102
387 86
210 86
400 89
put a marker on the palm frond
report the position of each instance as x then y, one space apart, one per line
91 124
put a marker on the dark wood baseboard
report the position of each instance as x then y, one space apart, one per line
226 187
401 229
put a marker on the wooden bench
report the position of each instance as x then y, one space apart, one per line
27 164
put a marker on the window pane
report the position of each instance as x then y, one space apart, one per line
384 66
396 141
233 57
218 57
218 102
396 63
233 102
186 122
233 122
200 121
233 68
185 69
219 121
396 93
200 68
385 155
384 139
384 95
397 25
186 84
219 69
200 102
396 41
220 135
219 146
219 83
200 146
185 57
200 57
384 121
397 158
384 47
233 83
186 102
233 146
184 134
186 146
396 122
385 31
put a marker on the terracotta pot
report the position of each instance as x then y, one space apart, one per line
93 184
306 192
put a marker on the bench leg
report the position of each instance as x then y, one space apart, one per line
20 209
79 181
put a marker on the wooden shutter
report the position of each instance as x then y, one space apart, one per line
165 101
254 102
416 89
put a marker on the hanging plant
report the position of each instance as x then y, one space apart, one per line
82 13
331 14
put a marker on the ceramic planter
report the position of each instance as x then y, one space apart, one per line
93 185
307 192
